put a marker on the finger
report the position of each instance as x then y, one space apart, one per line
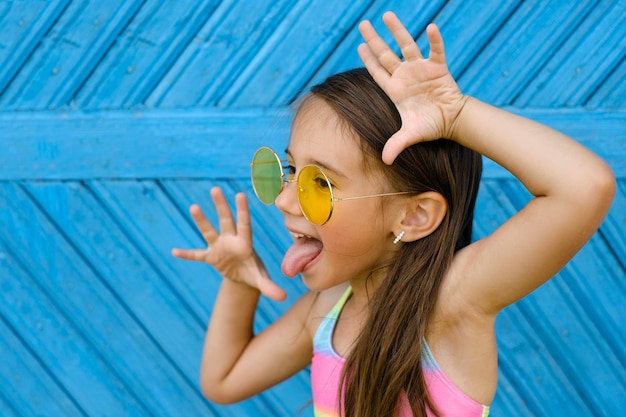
395 145
244 228
271 290
385 56
227 223
209 234
377 71
190 254
408 47
437 50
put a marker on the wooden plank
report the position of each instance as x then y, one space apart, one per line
466 37
98 312
143 53
612 93
614 225
82 380
210 143
221 50
580 66
140 145
112 251
27 382
22 26
534 375
508 401
415 15
520 48
6 407
298 46
68 55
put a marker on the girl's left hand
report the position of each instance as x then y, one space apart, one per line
230 249
423 90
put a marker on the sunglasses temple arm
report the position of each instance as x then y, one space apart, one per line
369 196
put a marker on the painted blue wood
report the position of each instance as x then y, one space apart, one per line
612 93
97 318
26 381
68 55
521 47
300 41
22 27
220 52
175 145
34 310
182 144
416 15
143 53
97 310
576 70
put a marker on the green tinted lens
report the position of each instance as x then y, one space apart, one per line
267 175
314 195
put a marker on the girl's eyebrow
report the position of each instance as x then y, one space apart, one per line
320 164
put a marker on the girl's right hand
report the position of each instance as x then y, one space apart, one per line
425 93
230 250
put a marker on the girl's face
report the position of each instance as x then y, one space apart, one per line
358 237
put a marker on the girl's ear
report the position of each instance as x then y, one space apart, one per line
422 215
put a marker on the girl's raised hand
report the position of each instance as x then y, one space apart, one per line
423 90
230 250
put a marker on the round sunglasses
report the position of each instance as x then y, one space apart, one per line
314 191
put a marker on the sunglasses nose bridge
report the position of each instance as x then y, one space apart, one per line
287 201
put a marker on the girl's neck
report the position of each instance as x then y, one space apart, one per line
363 289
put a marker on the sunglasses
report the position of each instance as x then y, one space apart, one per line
314 191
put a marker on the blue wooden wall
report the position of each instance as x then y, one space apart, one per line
116 115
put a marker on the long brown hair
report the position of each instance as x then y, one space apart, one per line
386 361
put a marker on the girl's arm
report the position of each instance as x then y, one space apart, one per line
236 364
573 188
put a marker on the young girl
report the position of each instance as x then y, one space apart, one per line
379 193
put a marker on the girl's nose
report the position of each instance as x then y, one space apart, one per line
287 200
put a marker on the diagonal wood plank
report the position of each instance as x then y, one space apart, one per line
67 56
22 27
143 53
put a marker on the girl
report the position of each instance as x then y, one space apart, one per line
383 172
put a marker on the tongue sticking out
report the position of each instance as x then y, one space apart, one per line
303 251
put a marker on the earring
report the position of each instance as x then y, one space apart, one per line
398 238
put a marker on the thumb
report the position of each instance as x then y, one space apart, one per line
396 144
271 290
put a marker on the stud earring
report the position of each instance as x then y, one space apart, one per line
398 238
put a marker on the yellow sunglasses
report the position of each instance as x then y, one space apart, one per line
315 193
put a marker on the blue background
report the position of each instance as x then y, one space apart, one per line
116 115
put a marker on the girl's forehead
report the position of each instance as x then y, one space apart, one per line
317 130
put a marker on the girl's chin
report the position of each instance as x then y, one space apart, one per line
314 283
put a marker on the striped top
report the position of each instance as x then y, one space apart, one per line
327 365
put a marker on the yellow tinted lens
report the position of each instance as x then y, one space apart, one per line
266 173
314 195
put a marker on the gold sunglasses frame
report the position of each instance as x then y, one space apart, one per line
333 199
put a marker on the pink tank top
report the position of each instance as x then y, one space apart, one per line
327 365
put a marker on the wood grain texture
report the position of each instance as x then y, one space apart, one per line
115 116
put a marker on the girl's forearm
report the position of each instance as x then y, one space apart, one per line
547 162
229 332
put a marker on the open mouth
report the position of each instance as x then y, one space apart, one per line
301 255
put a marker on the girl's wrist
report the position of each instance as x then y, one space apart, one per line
240 286
456 128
